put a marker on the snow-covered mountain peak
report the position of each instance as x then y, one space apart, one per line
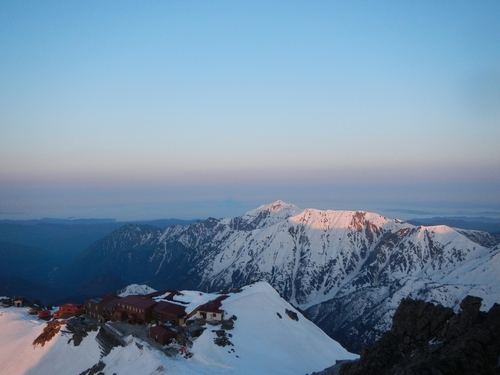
328 219
135 289
266 215
441 229
278 208
279 205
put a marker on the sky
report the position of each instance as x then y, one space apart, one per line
190 109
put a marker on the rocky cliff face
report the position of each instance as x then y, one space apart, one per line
347 269
431 339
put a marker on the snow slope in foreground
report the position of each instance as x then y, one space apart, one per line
263 343
17 332
18 356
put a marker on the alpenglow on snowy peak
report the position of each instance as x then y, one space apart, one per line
347 269
264 216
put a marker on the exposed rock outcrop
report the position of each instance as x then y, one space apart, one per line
107 340
431 339
95 370
49 332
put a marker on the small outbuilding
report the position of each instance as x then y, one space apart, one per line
210 310
44 314
193 330
162 335
68 310
20 302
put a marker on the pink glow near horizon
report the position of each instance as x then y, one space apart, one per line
167 109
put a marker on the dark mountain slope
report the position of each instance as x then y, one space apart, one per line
30 263
63 241
428 339
67 238
129 253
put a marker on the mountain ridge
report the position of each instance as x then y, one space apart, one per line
353 264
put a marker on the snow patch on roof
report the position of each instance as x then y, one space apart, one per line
189 299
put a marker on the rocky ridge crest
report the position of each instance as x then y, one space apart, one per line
432 339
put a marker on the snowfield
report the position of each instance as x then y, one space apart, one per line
264 343
17 332
266 340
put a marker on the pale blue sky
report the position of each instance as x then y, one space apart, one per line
193 109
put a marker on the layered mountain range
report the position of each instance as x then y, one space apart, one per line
347 269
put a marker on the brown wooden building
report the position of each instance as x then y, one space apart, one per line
102 308
165 312
161 334
134 309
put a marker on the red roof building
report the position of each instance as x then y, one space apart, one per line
44 314
68 310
